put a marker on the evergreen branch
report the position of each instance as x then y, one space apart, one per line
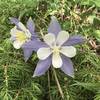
6 77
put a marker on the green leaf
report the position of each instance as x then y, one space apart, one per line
97 2
97 35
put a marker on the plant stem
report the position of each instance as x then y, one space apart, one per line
6 78
58 84
17 94
49 85
62 9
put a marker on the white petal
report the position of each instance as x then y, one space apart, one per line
43 53
49 39
13 30
62 37
68 51
17 44
56 60
28 34
22 27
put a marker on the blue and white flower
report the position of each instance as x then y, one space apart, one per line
20 36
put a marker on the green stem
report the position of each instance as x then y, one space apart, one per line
49 85
6 78
58 84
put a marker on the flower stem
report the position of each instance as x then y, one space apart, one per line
58 84
49 85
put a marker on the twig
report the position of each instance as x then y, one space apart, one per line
58 84
17 94
88 9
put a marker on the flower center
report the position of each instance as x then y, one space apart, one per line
56 49
20 36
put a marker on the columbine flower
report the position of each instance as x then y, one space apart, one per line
20 35
56 49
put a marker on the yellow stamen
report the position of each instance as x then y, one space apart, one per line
56 49
20 36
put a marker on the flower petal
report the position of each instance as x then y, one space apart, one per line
49 39
17 44
74 40
27 53
31 25
54 26
34 45
14 20
67 66
13 31
43 53
56 60
68 51
62 37
42 67
22 27
31 46
13 38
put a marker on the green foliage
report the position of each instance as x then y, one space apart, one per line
75 16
